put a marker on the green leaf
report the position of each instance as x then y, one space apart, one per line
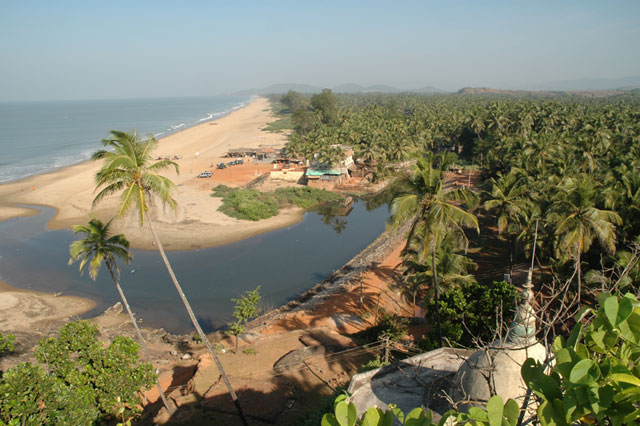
329 420
511 411
624 309
611 309
625 378
564 362
342 414
572 341
398 413
584 372
495 408
630 418
372 417
632 394
478 414
387 419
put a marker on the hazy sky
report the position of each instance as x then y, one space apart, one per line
115 49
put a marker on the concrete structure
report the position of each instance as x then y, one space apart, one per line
289 174
406 383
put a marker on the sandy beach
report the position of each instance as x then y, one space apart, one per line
196 223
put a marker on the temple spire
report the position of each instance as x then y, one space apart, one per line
523 327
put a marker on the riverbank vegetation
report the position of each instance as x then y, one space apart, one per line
251 204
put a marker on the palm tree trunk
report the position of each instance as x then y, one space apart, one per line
196 324
143 343
578 266
437 294
510 242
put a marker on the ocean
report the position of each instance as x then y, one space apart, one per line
38 137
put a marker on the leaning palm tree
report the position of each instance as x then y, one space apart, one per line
96 247
129 168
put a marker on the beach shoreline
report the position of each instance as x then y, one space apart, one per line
196 224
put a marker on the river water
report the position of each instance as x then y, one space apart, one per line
283 262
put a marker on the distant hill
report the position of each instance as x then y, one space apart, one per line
280 88
427 89
348 88
342 88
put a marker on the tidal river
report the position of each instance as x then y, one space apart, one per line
284 263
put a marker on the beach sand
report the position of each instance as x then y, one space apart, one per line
196 223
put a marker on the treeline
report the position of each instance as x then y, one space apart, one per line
569 164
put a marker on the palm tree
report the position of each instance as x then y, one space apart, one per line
97 247
578 222
437 211
128 167
507 198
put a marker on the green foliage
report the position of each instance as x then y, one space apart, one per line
280 125
392 326
497 413
7 342
81 382
246 307
377 362
471 311
293 100
326 104
596 376
249 351
250 204
305 197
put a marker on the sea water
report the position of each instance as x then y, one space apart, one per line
36 137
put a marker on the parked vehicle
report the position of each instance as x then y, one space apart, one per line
221 165
205 174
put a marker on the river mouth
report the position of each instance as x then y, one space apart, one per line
284 262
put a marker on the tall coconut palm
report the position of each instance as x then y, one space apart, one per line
507 198
129 167
578 221
99 246
437 210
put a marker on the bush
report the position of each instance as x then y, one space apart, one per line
7 343
80 382
250 204
392 326
372 364
470 312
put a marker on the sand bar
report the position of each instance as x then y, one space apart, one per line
197 223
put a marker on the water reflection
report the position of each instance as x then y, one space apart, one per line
284 262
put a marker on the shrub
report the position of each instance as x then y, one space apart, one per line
250 204
81 381
372 364
7 343
470 312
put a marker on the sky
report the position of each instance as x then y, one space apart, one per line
54 50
